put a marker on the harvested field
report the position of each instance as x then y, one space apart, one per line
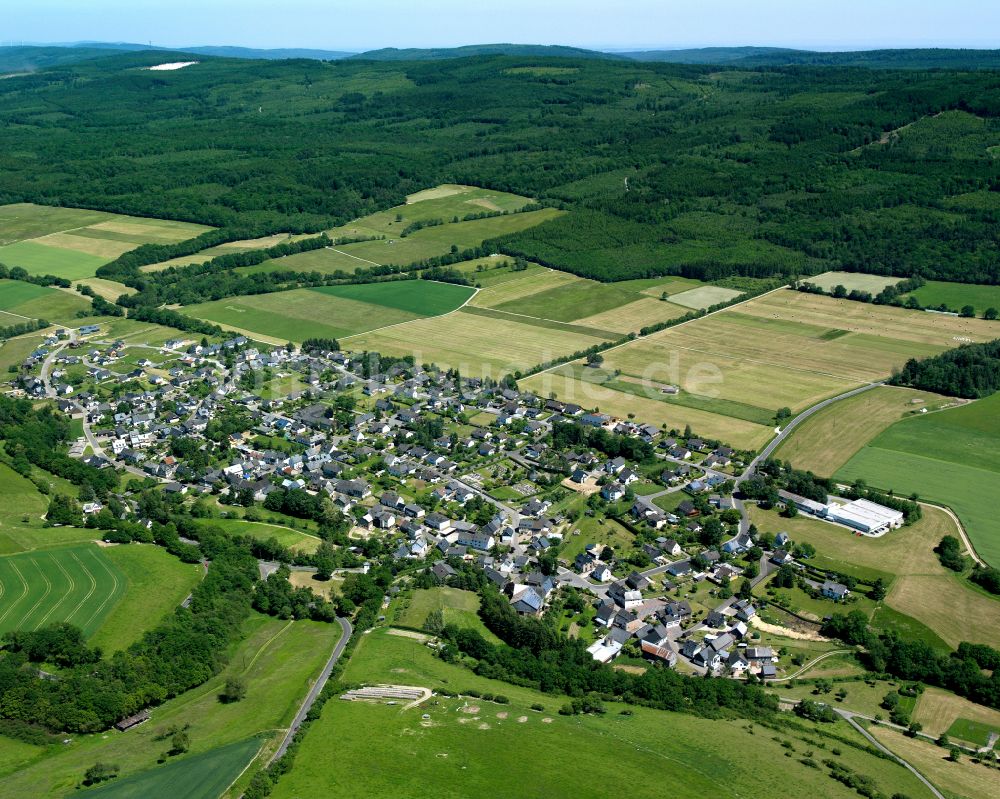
852 281
704 296
937 710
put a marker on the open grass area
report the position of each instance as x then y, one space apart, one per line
277 659
13 351
156 583
596 530
828 439
286 536
463 745
940 710
475 344
203 776
76 584
977 733
457 607
957 295
951 457
21 301
920 587
852 281
333 311
72 242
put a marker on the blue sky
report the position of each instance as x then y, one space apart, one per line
604 24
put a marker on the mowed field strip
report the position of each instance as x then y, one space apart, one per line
20 302
72 242
75 584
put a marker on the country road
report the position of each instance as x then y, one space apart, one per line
314 692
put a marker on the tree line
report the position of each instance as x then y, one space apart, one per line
971 371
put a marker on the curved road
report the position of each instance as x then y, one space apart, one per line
314 692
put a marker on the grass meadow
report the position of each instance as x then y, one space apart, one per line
462 745
852 281
456 606
957 295
286 536
277 659
951 457
21 301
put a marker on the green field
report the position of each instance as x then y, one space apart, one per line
333 311
951 457
21 301
203 776
852 281
77 584
40 259
462 745
457 607
704 296
975 732
277 659
156 585
957 295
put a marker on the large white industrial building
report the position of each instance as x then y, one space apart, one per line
868 517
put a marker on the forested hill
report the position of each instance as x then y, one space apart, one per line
913 58
436 53
665 168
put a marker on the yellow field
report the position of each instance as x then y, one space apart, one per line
158 230
923 588
523 285
634 316
964 780
879 321
105 248
828 439
737 432
475 344
109 289
937 711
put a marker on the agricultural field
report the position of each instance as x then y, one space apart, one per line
957 295
942 711
825 441
463 744
739 366
277 659
920 588
72 243
852 281
332 311
203 776
21 302
478 344
76 584
951 457
704 297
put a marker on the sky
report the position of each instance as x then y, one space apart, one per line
357 25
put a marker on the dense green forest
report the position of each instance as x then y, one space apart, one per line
971 371
667 168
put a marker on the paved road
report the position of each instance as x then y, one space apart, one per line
314 692
849 717
780 437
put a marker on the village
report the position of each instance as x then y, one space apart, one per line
439 470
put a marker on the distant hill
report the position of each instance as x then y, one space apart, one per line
28 59
917 58
270 55
440 53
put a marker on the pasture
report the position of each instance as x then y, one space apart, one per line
277 659
21 301
827 439
293 539
951 457
72 243
919 586
940 710
852 281
957 295
464 743
456 606
76 584
332 311
476 344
